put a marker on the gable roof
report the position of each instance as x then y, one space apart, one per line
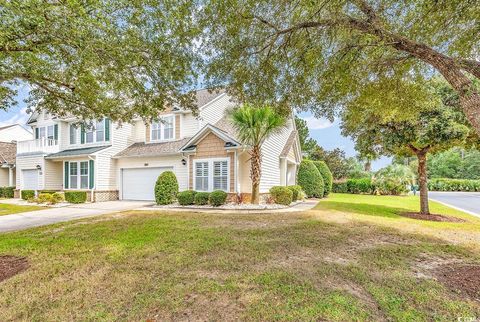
230 141
142 149
8 152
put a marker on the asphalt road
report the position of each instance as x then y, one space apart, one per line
469 201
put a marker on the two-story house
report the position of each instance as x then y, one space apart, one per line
112 161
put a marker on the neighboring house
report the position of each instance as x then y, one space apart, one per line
14 132
123 162
7 164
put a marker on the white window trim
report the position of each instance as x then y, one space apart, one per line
79 181
162 128
210 172
46 126
94 133
78 135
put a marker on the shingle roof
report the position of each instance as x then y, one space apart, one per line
288 144
226 126
8 152
142 149
76 152
203 96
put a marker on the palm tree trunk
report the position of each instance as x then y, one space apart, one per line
255 173
422 180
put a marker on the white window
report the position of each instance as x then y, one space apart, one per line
96 132
50 132
163 129
84 175
46 132
201 176
211 175
100 131
220 175
73 175
73 134
41 133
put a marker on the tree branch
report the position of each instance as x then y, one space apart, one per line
470 65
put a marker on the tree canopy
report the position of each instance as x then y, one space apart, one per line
115 58
321 55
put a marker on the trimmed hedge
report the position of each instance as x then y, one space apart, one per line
201 198
45 198
166 188
355 186
27 194
310 179
218 198
186 198
58 197
326 176
76 196
7 192
281 195
443 184
296 192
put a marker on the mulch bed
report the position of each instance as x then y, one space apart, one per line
11 266
462 279
431 217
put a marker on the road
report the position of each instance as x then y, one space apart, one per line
469 201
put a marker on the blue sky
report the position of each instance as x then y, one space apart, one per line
327 134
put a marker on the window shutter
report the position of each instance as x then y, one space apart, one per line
55 131
107 129
82 134
36 133
91 175
66 175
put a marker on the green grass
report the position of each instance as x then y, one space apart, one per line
7 209
190 266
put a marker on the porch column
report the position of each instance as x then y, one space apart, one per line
10 177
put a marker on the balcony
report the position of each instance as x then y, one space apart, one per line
42 145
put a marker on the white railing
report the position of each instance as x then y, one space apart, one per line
42 145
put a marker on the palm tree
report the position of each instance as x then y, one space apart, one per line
254 125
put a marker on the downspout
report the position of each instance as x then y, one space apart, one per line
92 197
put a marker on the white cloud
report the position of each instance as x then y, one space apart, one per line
20 117
317 124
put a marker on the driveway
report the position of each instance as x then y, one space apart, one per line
49 216
467 201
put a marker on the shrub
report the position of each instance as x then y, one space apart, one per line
58 197
7 192
339 187
360 186
218 198
45 198
76 196
166 188
281 195
201 198
51 192
27 194
393 180
186 197
326 176
296 192
310 179
442 184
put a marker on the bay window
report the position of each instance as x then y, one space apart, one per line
163 129
211 175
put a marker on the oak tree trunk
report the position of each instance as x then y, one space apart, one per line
255 173
423 182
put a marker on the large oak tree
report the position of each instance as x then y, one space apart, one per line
321 54
116 58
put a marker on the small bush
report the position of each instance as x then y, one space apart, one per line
281 195
186 197
51 192
45 198
441 184
310 179
76 196
296 192
339 187
166 188
393 180
201 198
7 192
360 186
58 197
326 176
27 194
218 198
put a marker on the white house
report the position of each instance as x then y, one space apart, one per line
14 132
123 162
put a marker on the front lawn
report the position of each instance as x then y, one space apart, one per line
191 266
7 209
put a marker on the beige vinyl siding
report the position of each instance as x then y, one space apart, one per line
213 112
105 166
4 177
64 135
175 161
244 181
29 163
189 125
271 149
53 175
138 131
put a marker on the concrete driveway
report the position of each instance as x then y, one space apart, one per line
49 216
466 201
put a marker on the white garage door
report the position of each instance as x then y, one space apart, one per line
30 179
139 184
